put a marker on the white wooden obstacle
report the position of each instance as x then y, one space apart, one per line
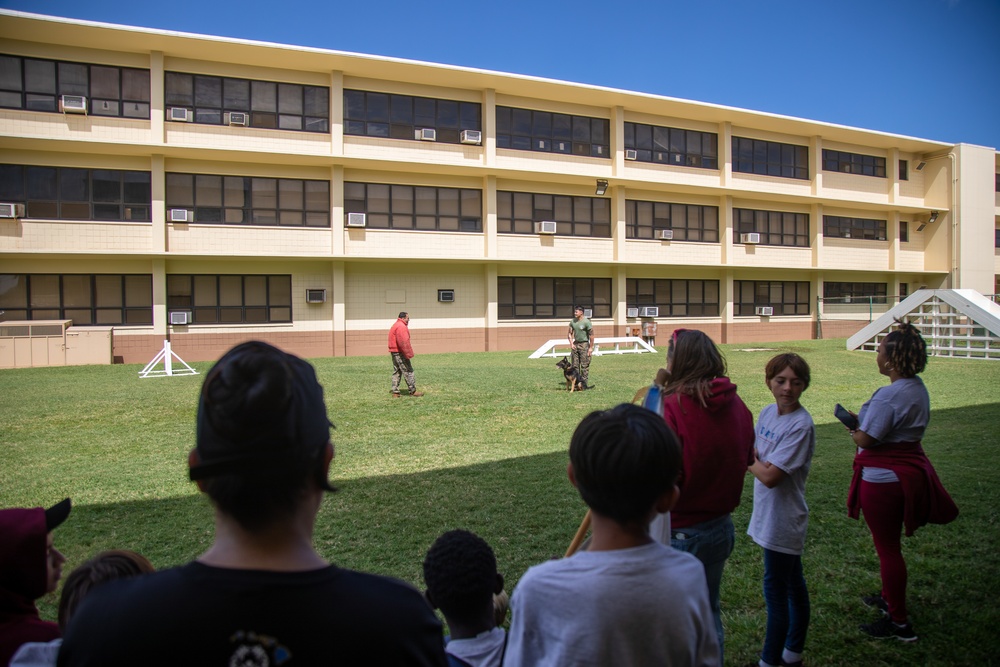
560 347
167 356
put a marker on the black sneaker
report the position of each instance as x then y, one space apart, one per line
885 628
876 601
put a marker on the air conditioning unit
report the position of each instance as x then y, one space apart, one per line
356 219
666 234
237 118
180 215
588 313
766 311
180 317
650 311
73 104
11 210
631 312
545 227
631 154
315 295
750 239
179 114
425 134
472 137
446 295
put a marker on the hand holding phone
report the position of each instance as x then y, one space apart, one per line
846 418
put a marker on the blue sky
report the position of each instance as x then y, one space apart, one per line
922 68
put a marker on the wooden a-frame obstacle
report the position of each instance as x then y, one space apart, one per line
167 356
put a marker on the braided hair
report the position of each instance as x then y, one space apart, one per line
906 350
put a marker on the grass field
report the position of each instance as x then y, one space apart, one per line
485 449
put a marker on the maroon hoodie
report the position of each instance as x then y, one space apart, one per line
23 579
717 447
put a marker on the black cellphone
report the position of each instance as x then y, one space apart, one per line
849 420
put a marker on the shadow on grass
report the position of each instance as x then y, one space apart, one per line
527 510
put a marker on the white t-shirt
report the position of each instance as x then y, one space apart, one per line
646 605
780 514
898 412
483 650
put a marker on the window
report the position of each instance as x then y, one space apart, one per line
34 84
854 163
786 297
670 145
904 291
996 238
231 299
272 105
845 292
904 231
246 200
770 158
415 207
689 222
64 193
517 213
86 299
551 298
997 184
401 116
775 227
904 170
547 132
854 228
674 298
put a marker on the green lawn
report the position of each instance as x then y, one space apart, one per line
485 449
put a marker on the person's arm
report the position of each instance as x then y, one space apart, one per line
863 440
769 475
590 337
569 334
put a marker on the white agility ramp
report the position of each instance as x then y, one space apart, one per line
167 357
560 347
958 323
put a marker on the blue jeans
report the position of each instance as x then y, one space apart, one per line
711 542
787 600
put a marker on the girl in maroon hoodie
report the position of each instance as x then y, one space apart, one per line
716 433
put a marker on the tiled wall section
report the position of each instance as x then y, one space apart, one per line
82 236
424 341
193 346
767 332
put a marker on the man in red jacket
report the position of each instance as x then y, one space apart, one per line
402 352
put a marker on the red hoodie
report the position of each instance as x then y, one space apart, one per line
23 578
717 447
399 339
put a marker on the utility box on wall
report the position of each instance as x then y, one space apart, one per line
36 343
89 345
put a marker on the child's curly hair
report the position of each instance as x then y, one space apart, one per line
906 350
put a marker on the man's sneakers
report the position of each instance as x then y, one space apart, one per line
876 601
885 628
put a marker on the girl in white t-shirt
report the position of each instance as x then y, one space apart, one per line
786 439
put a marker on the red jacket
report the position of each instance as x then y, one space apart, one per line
716 447
399 339
23 579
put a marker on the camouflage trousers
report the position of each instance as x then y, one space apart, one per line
581 360
401 368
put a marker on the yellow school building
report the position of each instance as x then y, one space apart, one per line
215 190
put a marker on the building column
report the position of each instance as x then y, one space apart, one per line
158 211
490 127
336 113
338 242
727 294
816 164
725 154
618 236
492 334
339 303
618 141
157 105
726 230
159 271
619 292
490 216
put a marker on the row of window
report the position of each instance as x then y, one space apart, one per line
67 193
36 84
99 299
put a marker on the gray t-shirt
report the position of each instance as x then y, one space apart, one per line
642 606
898 412
780 514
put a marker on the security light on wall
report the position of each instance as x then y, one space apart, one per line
602 186
920 165
930 221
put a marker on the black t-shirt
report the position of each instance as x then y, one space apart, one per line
201 615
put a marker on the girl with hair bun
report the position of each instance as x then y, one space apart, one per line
895 485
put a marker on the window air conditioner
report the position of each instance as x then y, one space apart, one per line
180 317
750 239
666 234
237 118
356 219
425 134
179 114
631 312
651 311
472 137
588 313
73 104
766 311
315 295
545 227
180 215
631 154
446 295
11 210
